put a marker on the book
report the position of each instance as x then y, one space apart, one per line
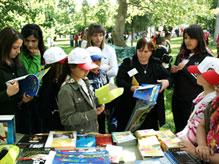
7 129
115 153
29 84
108 93
29 156
103 139
97 156
148 93
33 141
145 133
169 141
149 147
138 115
125 138
65 140
85 141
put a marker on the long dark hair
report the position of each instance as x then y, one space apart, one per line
8 36
195 32
92 29
35 30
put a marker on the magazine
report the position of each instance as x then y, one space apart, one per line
61 140
29 84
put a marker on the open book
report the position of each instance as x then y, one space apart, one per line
108 93
29 84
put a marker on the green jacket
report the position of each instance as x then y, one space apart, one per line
32 64
76 111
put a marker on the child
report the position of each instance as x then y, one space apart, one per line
76 102
55 58
97 79
202 100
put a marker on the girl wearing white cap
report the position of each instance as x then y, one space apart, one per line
75 99
48 113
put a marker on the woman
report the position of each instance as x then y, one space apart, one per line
11 99
56 59
33 48
192 52
147 71
95 37
76 101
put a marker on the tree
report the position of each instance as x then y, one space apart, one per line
119 28
216 33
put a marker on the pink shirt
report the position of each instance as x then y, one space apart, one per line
201 102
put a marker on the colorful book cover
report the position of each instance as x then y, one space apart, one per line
145 133
33 141
29 84
30 156
123 137
149 147
103 139
85 141
82 156
61 140
138 115
108 93
7 129
8 153
148 93
169 141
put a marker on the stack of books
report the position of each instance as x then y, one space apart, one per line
125 138
145 133
149 147
169 141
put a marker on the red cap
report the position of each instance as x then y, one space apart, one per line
88 66
211 77
193 69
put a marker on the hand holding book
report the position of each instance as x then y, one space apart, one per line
12 88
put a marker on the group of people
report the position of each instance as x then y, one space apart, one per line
66 99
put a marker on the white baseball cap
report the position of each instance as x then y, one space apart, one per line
81 57
209 63
54 54
95 53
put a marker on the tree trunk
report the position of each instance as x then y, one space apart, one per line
119 28
216 33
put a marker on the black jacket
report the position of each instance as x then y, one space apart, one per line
126 102
9 105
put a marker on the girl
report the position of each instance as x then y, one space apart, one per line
192 52
11 99
76 101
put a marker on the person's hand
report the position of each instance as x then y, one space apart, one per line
164 84
100 109
34 51
12 88
174 69
133 88
204 152
181 65
26 98
188 147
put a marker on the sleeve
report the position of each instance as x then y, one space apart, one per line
122 78
112 72
163 73
68 113
33 65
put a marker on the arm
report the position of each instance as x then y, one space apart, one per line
68 112
202 149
